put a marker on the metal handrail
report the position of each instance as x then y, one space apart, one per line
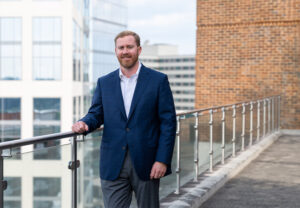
248 102
38 139
62 135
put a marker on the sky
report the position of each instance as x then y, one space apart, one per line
165 21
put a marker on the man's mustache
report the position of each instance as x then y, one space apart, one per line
126 56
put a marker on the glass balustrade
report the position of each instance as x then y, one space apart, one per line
40 175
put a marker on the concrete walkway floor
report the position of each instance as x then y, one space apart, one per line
272 180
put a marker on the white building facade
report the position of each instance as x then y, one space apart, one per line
47 69
179 68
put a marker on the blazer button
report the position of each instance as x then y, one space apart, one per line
127 129
123 148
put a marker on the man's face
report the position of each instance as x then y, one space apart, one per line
127 51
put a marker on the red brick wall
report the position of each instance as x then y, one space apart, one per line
248 50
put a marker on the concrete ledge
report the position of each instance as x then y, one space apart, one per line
292 132
193 194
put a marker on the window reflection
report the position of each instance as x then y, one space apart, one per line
47 192
12 195
10 48
46 121
10 123
47 48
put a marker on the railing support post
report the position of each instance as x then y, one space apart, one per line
258 121
223 135
279 98
196 148
2 187
211 151
177 191
269 115
73 165
273 99
243 125
233 129
264 117
251 124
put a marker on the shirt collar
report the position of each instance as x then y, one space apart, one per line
136 73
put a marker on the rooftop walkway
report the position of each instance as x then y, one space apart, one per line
271 180
265 175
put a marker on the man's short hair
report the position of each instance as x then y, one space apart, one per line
128 33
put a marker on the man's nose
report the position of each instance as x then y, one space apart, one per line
125 50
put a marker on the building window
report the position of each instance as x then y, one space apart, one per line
10 123
10 48
46 48
12 195
47 192
76 51
46 117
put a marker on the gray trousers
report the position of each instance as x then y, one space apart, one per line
118 193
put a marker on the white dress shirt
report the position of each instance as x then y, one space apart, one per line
128 87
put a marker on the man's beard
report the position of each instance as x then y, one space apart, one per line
128 64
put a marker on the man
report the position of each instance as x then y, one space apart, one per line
136 106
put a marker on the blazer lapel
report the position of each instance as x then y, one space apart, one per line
139 89
118 94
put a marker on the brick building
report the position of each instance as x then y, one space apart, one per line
248 49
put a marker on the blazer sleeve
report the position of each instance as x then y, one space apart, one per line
94 117
167 119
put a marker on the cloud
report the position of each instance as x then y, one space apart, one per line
165 21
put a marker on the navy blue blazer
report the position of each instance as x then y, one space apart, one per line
149 131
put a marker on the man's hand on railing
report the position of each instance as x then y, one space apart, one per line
80 127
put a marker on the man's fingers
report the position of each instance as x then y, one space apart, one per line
152 174
157 171
80 127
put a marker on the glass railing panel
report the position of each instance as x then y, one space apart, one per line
247 125
217 136
228 132
203 132
187 141
12 195
168 183
238 128
276 113
254 124
38 183
89 186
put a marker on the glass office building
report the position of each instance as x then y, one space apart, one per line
51 54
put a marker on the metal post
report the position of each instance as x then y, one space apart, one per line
269 115
223 135
2 185
279 112
251 124
243 126
264 121
211 152
196 148
177 191
273 114
233 129
73 165
258 121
